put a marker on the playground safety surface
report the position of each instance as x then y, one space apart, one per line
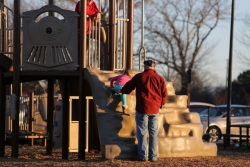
36 156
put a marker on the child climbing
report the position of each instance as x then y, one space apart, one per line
92 12
118 82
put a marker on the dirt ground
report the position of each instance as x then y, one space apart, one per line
36 156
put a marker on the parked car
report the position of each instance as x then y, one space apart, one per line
240 114
199 106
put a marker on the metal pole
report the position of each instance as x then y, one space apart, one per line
51 2
189 79
230 76
50 106
65 119
142 36
142 24
2 96
16 78
2 114
2 27
50 109
31 115
208 117
82 94
130 39
112 34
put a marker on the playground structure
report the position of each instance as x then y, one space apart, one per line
50 51
25 108
32 116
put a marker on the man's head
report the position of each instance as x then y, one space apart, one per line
149 64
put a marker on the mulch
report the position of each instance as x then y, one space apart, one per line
36 156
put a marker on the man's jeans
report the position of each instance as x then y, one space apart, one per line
147 123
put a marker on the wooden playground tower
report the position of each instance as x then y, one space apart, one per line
17 76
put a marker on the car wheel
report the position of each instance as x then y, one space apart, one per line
214 130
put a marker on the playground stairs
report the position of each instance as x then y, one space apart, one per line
180 132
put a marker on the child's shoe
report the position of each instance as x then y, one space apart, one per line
124 109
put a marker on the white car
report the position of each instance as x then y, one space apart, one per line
240 114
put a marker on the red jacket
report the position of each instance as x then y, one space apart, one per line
91 11
151 91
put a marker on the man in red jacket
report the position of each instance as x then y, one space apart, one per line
151 95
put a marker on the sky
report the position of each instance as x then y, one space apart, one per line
220 54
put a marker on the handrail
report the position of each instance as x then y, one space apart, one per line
140 51
142 36
6 28
7 8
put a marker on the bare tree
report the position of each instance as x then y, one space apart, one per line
176 31
102 4
245 40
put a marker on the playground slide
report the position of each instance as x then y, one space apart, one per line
180 132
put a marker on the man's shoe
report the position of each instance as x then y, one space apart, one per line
153 160
138 158
143 159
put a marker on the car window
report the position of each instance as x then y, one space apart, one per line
214 112
241 113
237 113
217 111
197 108
248 111
221 111
204 113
